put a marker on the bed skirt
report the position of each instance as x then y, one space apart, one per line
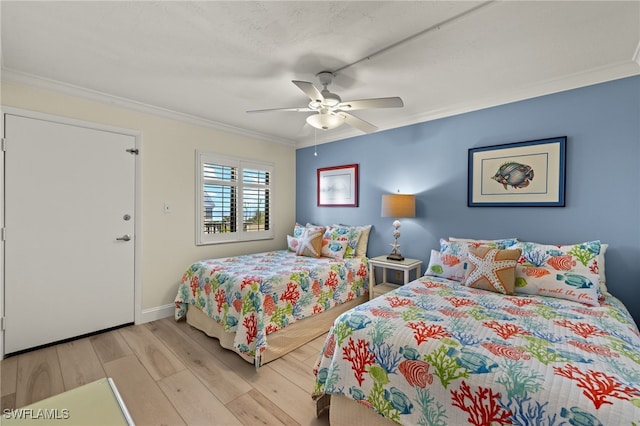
344 411
282 341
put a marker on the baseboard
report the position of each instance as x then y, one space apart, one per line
159 312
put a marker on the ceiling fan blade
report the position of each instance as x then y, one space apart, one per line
394 102
356 122
310 90
296 109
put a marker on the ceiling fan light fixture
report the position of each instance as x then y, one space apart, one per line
331 111
325 121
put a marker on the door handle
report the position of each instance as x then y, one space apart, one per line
125 237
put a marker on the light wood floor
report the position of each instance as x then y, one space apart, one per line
169 373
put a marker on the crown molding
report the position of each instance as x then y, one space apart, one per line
570 82
547 87
96 96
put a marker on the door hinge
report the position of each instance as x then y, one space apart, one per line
3 145
3 324
133 151
3 234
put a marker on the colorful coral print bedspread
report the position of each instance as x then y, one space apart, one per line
257 294
436 353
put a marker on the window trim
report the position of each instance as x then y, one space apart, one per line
240 234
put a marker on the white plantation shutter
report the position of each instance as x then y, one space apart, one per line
234 199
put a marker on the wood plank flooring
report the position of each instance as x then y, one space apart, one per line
169 373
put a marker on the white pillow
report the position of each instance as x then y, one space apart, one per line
601 276
351 234
334 248
451 268
363 242
563 271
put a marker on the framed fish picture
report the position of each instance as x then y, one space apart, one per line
520 174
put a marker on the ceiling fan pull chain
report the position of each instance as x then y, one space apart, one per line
315 142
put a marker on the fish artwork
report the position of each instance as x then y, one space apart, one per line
436 269
514 174
334 247
579 417
563 262
449 259
473 361
357 321
521 282
532 271
575 280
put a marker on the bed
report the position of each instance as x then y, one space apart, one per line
264 305
443 350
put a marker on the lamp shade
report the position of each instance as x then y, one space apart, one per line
325 121
398 205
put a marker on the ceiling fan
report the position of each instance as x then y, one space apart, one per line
332 111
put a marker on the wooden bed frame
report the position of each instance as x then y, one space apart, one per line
282 341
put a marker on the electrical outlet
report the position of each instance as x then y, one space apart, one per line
398 275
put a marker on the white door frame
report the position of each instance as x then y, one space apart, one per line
138 202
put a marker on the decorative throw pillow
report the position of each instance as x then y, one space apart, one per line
298 230
292 243
309 244
351 234
453 253
601 275
333 248
314 228
492 269
502 243
563 271
363 241
445 266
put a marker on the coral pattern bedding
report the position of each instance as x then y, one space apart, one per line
439 353
257 294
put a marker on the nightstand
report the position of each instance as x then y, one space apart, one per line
406 265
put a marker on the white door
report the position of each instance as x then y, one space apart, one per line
69 231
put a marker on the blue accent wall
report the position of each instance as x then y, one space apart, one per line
602 126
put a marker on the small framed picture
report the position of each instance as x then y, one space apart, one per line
338 186
522 174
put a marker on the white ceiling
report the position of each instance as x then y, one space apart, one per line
209 62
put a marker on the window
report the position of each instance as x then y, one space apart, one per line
234 199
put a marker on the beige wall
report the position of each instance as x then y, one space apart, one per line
168 175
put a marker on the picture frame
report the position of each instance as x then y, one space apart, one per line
338 186
519 174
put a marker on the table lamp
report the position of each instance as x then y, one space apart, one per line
397 206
